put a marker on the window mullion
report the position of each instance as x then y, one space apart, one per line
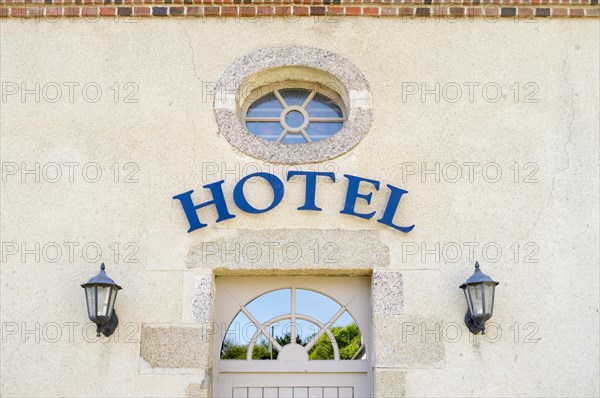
309 98
305 135
293 326
261 327
281 136
280 99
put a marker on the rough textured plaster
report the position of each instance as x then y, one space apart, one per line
409 341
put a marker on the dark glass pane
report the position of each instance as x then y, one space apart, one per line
294 96
267 130
318 131
266 106
321 106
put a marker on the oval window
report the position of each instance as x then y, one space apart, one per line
294 113
293 104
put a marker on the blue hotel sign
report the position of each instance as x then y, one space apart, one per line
352 196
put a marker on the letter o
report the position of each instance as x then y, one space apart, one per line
493 178
86 335
97 92
485 252
57 92
486 95
57 250
298 252
85 254
242 203
50 337
457 250
458 172
257 252
86 175
498 336
457 89
47 175
458 332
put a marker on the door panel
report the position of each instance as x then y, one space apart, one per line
331 385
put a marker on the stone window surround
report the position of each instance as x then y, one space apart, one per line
299 63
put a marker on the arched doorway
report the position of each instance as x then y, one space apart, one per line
292 337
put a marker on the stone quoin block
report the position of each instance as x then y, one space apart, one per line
387 293
389 383
174 347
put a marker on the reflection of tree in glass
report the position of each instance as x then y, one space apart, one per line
287 338
347 337
262 348
348 341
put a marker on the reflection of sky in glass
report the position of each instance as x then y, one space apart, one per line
344 320
306 329
294 96
294 119
319 131
314 304
278 302
269 106
321 106
241 329
267 130
270 305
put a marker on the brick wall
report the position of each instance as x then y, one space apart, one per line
291 9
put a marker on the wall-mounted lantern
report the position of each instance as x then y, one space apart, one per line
101 294
479 291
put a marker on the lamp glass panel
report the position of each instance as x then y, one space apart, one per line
90 295
468 300
476 295
103 300
113 298
488 290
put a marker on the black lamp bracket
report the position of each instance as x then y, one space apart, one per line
108 328
474 326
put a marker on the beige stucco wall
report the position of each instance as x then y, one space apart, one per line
547 303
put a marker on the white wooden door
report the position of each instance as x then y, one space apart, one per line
292 337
